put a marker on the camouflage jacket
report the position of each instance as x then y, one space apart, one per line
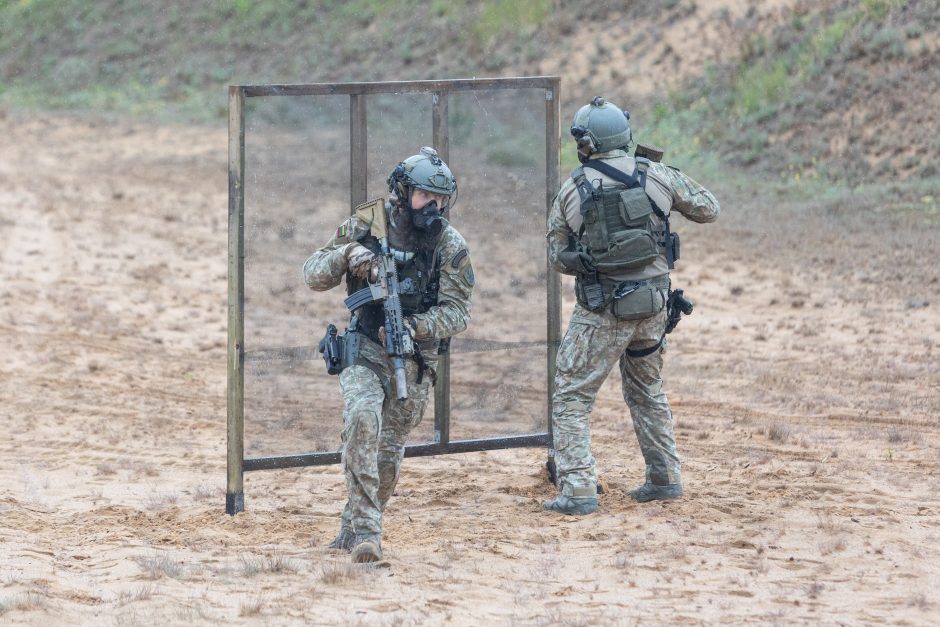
667 187
326 268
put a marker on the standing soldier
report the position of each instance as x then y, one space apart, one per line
435 281
609 227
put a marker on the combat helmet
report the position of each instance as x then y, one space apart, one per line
600 126
425 170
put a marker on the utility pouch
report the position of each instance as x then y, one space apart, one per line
629 250
629 244
637 302
589 293
635 207
672 249
332 349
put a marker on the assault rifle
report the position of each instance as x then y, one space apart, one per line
398 342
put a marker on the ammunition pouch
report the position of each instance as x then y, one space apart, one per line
589 292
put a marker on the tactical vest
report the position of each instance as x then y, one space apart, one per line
419 282
617 227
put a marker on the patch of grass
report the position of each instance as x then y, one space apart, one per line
833 545
823 46
205 491
142 593
159 499
897 435
761 85
26 602
546 569
681 126
623 562
333 573
509 16
157 566
277 562
887 43
778 432
250 566
826 522
251 608
273 562
192 614
878 9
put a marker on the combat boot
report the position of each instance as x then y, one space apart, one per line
367 547
652 492
574 505
343 540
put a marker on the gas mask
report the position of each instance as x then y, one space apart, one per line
428 219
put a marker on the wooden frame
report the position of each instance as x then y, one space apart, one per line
237 464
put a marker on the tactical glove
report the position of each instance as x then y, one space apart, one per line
361 262
410 324
575 261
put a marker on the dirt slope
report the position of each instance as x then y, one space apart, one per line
839 89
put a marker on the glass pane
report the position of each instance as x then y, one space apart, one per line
497 151
297 191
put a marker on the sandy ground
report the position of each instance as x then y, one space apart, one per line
805 387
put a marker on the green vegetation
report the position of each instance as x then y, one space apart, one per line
878 9
499 17
741 110
174 61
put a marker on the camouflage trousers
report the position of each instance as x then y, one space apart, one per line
591 346
375 428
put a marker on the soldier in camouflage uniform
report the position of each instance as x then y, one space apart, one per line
436 281
609 227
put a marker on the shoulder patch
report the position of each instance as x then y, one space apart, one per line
351 229
468 276
455 263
